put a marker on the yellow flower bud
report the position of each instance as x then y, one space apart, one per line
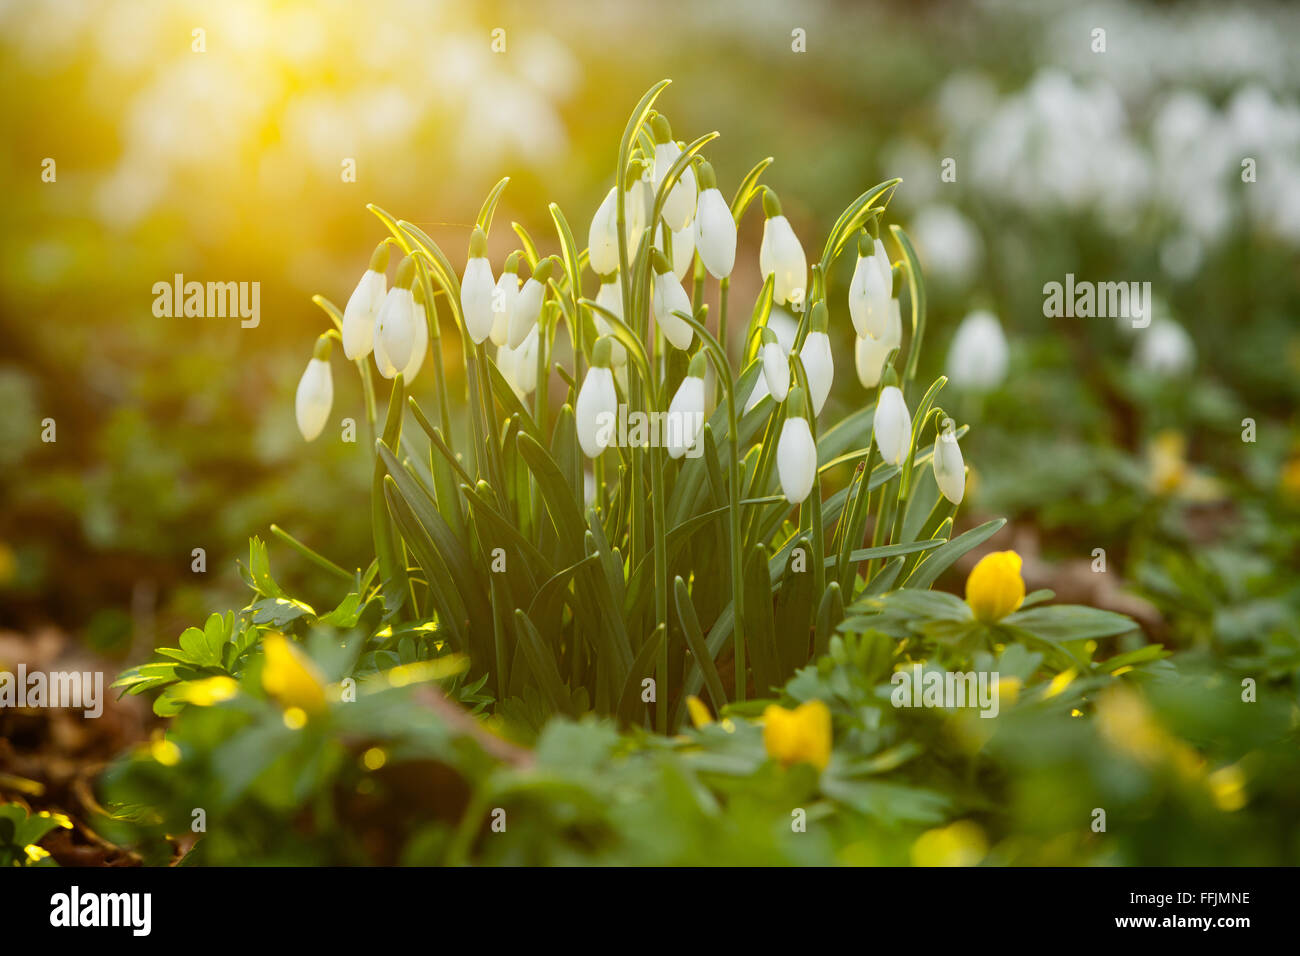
700 715
290 677
802 735
995 587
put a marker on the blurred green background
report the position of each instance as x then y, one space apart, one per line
225 165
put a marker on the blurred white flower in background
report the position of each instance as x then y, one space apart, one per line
949 244
1164 348
979 355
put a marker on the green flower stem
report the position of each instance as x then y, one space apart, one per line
315 557
924 414
916 290
724 290
719 356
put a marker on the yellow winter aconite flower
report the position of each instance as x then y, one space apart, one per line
700 715
802 735
210 690
290 677
960 844
995 587
35 853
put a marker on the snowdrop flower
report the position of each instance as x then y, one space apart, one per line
503 299
869 353
679 208
683 249
1165 349
519 366
419 338
528 306
978 356
781 254
796 453
686 410
949 467
610 296
311 404
818 362
871 289
363 305
670 297
602 238
477 288
893 425
776 367
715 227
782 321
395 324
596 410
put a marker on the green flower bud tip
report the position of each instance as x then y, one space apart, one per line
873 223
663 133
771 205
661 262
322 349
602 352
767 336
379 258
696 368
405 273
820 319
512 262
478 244
794 404
544 269
865 245
889 378
706 176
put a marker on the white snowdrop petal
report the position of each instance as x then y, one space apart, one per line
476 290
979 355
819 365
796 460
949 468
315 396
893 425
596 411
715 234
360 313
685 416
776 371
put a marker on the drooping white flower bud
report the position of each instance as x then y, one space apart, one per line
596 410
978 356
610 296
893 425
869 291
818 361
395 324
526 362
315 395
776 367
602 237
796 452
503 299
528 306
715 227
781 254
670 297
420 338
949 467
476 289
363 306
869 353
679 208
686 410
